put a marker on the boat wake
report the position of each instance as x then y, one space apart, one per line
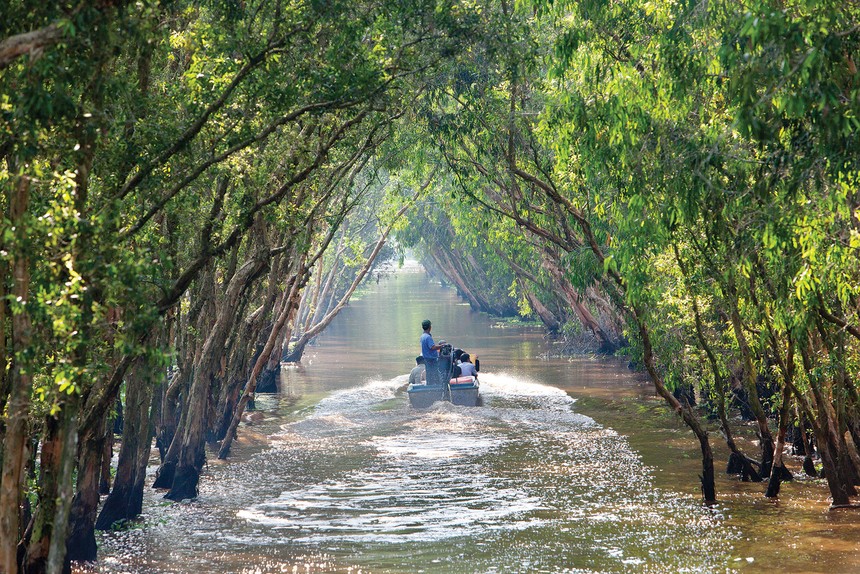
524 467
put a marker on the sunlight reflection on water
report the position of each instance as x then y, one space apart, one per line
525 463
355 480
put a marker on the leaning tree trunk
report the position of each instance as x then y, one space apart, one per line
443 263
687 414
243 353
574 300
288 310
738 461
709 492
824 429
191 449
546 316
839 491
296 354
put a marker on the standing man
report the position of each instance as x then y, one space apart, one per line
430 352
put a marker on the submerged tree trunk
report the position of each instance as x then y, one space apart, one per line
126 498
191 453
749 378
779 472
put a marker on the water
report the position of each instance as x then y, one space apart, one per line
341 475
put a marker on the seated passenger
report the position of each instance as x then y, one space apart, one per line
467 369
418 373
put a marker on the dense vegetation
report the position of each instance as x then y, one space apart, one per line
193 189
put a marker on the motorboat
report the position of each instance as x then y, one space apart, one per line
463 391
423 396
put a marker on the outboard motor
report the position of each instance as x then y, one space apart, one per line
446 363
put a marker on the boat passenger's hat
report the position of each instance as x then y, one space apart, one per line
425 324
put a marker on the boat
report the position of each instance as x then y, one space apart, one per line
463 391
423 396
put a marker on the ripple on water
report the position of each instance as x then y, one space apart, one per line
522 484
525 467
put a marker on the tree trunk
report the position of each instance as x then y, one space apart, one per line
779 472
4 372
749 379
107 455
172 417
808 465
737 460
545 315
296 354
82 536
50 468
58 559
574 299
685 412
290 306
14 452
191 449
443 262
270 376
125 500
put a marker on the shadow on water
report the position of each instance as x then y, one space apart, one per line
340 475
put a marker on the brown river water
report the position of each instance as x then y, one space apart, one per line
571 465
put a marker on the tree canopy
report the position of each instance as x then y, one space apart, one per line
193 189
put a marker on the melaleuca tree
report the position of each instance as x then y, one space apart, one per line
147 131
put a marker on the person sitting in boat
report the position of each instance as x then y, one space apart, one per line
418 373
430 352
467 369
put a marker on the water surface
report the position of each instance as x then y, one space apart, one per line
341 475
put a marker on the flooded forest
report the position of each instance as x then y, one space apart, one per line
224 221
